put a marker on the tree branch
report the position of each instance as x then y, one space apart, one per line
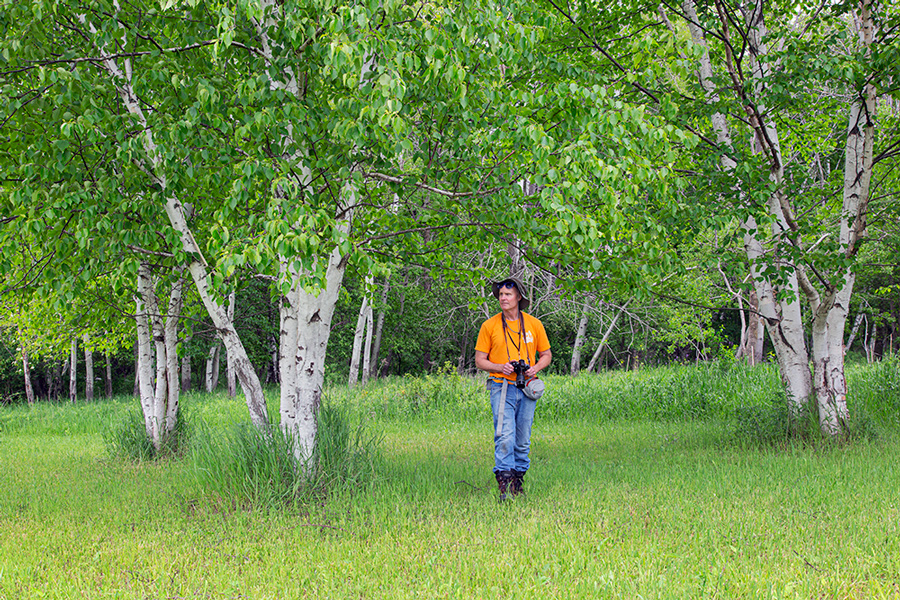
399 180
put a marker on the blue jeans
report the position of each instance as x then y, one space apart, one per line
512 445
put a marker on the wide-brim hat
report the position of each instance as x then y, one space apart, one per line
524 302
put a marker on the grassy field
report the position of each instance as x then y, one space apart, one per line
655 504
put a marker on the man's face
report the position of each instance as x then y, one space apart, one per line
509 298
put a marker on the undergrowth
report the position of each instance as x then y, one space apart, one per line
128 439
259 465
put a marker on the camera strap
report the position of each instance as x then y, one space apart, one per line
522 340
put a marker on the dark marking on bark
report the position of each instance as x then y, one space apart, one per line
315 318
784 340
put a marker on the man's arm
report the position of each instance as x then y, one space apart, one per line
542 363
482 362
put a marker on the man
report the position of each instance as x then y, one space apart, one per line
505 338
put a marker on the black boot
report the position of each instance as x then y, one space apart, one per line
504 478
515 486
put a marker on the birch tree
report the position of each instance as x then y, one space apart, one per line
769 79
88 369
826 287
157 333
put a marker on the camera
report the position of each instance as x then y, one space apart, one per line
520 366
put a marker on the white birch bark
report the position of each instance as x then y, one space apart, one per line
860 316
367 347
88 371
29 389
229 358
136 391
306 326
145 356
186 366
755 331
743 350
171 347
212 367
158 337
575 365
358 336
73 371
869 341
305 316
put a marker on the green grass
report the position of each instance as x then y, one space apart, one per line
634 507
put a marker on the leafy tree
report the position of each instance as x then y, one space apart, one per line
291 140
791 180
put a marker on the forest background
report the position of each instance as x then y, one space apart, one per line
670 179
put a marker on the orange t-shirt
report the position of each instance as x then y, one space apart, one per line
501 347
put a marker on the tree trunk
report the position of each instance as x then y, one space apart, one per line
869 341
783 318
159 401
185 374
784 321
367 348
376 348
136 391
73 371
88 371
755 331
145 355
831 317
186 366
171 347
358 338
860 316
829 381
29 391
229 359
575 365
276 360
212 368
158 335
305 329
109 388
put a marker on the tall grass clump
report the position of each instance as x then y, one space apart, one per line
874 390
128 439
257 465
769 423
